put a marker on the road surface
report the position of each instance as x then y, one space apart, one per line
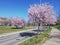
14 39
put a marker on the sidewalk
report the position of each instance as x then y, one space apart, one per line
54 38
6 34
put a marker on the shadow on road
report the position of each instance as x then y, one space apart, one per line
27 34
38 30
31 33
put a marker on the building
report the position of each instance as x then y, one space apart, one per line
4 21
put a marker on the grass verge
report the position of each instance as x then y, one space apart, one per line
6 29
38 39
57 26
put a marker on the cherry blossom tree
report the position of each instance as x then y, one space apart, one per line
42 13
51 20
17 22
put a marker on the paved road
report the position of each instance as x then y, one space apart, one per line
14 39
54 38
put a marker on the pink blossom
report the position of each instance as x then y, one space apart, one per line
17 21
42 13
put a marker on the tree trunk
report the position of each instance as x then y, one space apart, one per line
38 25
16 26
49 25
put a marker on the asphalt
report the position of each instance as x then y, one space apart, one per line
14 39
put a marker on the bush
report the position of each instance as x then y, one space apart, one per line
57 26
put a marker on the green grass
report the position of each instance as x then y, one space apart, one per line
39 39
6 29
57 26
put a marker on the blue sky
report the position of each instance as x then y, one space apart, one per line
19 8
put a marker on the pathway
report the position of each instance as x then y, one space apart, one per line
54 38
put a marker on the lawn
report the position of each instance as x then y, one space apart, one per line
57 26
37 40
7 29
